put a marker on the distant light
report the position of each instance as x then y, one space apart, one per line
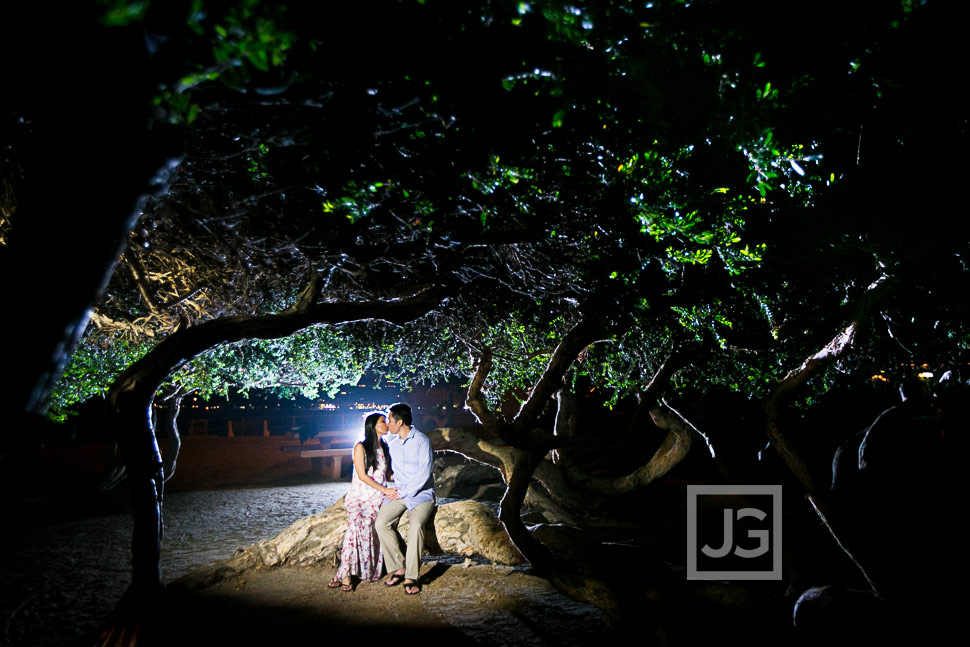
881 378
925 375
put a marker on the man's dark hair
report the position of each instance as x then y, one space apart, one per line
401 412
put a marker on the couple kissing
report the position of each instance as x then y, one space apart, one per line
392 474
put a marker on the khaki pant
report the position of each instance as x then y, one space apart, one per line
390 546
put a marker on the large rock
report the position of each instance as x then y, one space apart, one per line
460 478
464 528
468 528
311 540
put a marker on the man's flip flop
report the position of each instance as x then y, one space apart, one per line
412 588
394 579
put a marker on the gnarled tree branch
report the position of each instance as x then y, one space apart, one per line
560 496
475 400
469 445
841 344
672 450
171 414
182 346
579 337
138 273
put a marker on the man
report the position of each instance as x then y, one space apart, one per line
412 460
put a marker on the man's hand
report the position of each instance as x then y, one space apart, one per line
392 494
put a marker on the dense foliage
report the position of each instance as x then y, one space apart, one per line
675 167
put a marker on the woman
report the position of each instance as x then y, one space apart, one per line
360 555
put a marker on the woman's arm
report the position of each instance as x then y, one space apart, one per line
361 467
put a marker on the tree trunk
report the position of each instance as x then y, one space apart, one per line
519 467
577 581
130 414
842 343
51 57
522 457
169 420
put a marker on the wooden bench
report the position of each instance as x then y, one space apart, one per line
326 461
324 458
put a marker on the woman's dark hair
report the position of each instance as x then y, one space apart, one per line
372 444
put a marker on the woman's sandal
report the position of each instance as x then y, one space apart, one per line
394 579
339 584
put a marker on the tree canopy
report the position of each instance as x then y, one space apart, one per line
676 163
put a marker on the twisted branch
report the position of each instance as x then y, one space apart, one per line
579 337
841 344
475 400
672 450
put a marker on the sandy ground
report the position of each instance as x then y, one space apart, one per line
462 605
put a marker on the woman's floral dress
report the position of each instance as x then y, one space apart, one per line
361 552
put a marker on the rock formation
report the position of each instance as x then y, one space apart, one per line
466 528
